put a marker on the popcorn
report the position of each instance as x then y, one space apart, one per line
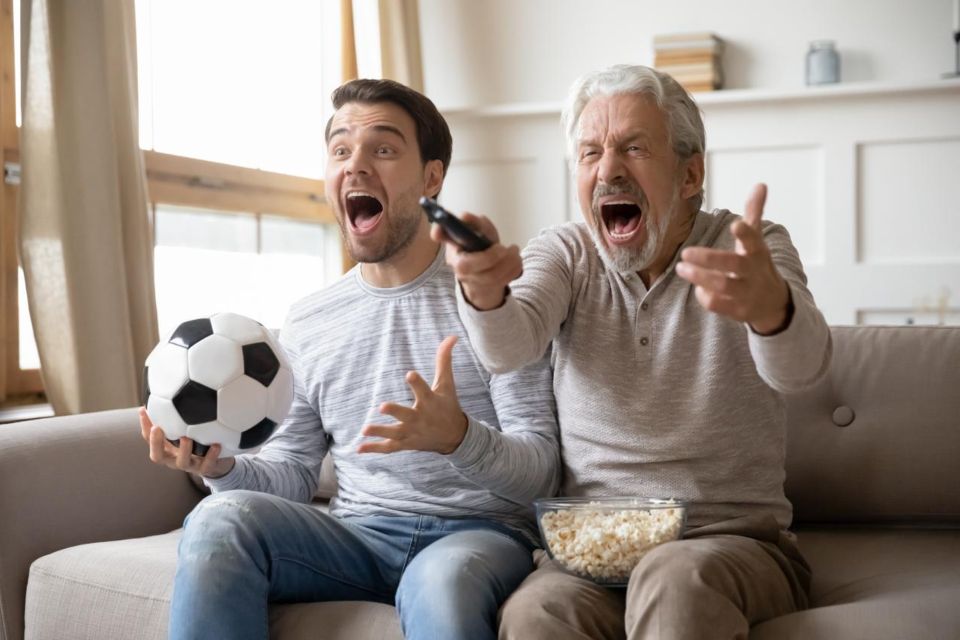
603 544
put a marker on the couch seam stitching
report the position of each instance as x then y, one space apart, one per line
97 586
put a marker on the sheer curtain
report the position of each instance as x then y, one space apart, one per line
400 42
84 231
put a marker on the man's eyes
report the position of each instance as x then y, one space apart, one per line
342 151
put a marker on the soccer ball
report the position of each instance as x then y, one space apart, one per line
218 380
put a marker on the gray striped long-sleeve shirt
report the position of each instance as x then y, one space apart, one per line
657 396
350 346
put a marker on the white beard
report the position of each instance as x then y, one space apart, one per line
626 260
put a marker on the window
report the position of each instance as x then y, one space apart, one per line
234 98
233 105
252 264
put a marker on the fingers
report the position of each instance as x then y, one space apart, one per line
184 451
719 303
391 438
724 261
157 445
478 223
443 376
754 210
497 263
419 387
481 224
711 280
749 238
483 275
398 411
208 465
387 431
380 446
145 424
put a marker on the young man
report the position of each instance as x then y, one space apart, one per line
675 333
442 525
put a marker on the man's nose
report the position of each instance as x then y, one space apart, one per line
611 169
357 164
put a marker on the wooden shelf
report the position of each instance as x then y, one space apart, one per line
727 97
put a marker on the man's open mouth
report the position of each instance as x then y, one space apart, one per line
621 219
363 210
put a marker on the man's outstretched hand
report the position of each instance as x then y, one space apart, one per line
483 275
162 451
435 422
743 284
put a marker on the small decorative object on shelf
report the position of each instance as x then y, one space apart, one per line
823 63
693 59
956 42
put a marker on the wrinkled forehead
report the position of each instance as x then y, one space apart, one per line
381 117
620 117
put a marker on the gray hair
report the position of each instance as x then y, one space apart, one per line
684 124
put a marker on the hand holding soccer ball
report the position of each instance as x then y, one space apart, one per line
163 451
222 381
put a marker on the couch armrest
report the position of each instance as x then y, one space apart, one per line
75 479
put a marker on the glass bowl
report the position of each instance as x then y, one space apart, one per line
603 539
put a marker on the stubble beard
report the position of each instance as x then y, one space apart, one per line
631 259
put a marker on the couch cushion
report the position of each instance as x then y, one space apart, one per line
122 589
878 440
879 584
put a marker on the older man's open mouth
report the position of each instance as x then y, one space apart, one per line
622 219
364 211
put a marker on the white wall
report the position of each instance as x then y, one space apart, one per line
482 52
863 174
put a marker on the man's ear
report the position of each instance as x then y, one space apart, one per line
692 176
432 178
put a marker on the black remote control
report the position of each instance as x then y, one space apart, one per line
465 237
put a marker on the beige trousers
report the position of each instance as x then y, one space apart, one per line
714 584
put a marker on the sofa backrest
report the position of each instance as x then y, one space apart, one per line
878 440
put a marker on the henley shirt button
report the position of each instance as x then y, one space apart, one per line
645 306
644 341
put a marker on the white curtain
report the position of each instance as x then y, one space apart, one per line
84 232
400 56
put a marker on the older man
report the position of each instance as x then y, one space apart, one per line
675 334
441 525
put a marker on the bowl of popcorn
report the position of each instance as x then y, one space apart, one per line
603 539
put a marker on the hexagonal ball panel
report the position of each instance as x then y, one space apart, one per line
210 433
196 403
167 370
163 414
258 434
240 329
280 395
260 363
274 342
191 332
215 361
241 404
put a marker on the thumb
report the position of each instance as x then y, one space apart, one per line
754 210
443 378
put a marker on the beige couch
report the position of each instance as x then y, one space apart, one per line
88 527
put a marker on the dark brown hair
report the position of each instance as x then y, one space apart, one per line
433 134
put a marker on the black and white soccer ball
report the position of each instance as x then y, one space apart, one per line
218 380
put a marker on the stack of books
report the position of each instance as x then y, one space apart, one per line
693 59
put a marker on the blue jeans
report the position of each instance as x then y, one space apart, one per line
243 549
